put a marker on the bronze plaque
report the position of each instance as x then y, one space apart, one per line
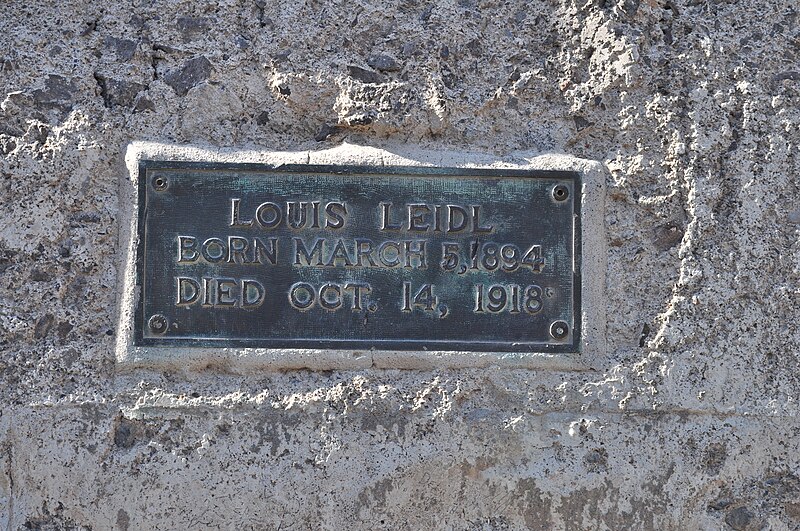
390 258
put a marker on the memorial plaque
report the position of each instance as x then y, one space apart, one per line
387 258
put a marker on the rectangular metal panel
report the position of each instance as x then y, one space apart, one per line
383 258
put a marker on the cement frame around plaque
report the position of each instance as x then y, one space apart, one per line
245 360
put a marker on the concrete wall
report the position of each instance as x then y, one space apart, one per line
688 421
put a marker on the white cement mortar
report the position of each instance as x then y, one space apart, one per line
244 360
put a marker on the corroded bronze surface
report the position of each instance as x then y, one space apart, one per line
355 257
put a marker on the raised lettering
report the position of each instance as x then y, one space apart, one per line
225 297
262 251
386 214
389 260
315 215
296 214
418 253
339 253
452 225
364 248
252 286
188 291
476 224
235 222
301 252
336 212
325 301
357 288
237 249
213 250
265 218
207 292
416 217
187 249
302 295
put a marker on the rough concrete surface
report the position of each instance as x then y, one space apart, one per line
690 421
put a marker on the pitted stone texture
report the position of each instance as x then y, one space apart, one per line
692 107
359 454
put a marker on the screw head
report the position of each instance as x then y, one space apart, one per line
559 330
560 192
160 183
158 324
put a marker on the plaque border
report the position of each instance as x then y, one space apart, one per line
590 355
146 167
